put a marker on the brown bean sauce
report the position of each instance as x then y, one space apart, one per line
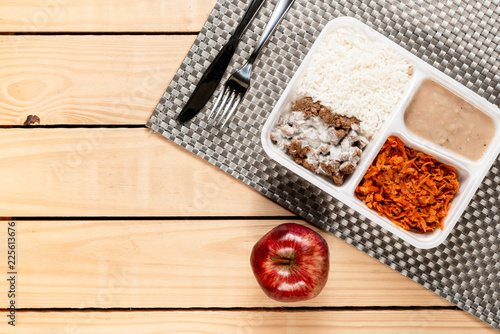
437 114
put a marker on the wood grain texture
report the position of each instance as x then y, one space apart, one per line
104 16
115 172
181 264
262 322
86 79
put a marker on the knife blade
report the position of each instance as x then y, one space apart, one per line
214 73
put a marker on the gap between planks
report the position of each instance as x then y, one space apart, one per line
241 309
150 218
110 33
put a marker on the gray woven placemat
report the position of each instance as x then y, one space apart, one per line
457 37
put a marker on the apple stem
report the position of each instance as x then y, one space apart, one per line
282 260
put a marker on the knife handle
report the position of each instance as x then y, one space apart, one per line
214 73
247 18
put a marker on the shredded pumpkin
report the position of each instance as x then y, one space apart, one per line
409 187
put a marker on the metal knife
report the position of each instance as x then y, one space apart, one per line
213 75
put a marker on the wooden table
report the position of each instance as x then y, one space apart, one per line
119 230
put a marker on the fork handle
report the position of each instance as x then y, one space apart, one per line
278 14
247 18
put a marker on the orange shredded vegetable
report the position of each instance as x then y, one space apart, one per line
411 188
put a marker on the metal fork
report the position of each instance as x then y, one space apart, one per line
237 85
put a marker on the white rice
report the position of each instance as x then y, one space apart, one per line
356 76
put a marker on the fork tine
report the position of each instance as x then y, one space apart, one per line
221 99
216 111
227 106
233 109
217 102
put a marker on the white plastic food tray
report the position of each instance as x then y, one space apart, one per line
471 173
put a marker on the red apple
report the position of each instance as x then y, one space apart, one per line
291 263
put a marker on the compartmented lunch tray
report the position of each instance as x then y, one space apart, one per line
457 38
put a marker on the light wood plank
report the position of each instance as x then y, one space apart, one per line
181 264
104 16
86 79
223 322
115 172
